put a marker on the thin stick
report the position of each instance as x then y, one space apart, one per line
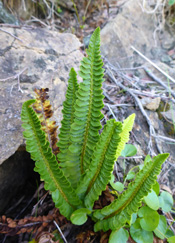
112 112
64 239
131 157
129 69
153 76
164 138
152 95
118 105
151 128
34 19
149 11
14 77
108 97
122 75
152 63
11 35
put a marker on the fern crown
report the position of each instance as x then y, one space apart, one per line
77 167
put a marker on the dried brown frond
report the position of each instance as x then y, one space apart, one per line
44 111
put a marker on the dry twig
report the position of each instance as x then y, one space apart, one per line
14 77
152 132
151 128
154 65
153 76
7 32
63 237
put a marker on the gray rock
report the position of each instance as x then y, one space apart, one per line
156 52
166 59
172 63
133 27
130 27
151 104
44 59
169 43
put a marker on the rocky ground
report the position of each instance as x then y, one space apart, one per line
139 60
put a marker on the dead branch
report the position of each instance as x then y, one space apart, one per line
107 96
152 132
151 128
14 77
112 112
7 32
164 138
117 105
154 65
152 95
153 76
60 231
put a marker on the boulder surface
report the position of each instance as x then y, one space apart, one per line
29 58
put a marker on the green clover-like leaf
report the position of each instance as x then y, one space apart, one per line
79 216
149 218
119 236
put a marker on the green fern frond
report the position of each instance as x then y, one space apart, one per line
46 164
120 210
68 118
127 127
86 126
103 158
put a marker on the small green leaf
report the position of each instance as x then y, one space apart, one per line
141 166
118 186
169 233
84 18
150 218
147 159
156 188
129 150
59 10
79 216
161 229
119 236
140 235
171 239
130 175
152 200
171 2
166 201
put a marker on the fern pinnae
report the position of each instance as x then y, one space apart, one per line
84 134
68 118
102 162
46 164
127 127
120 210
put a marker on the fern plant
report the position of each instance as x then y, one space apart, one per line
77 168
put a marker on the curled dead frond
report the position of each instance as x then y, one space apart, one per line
44 111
